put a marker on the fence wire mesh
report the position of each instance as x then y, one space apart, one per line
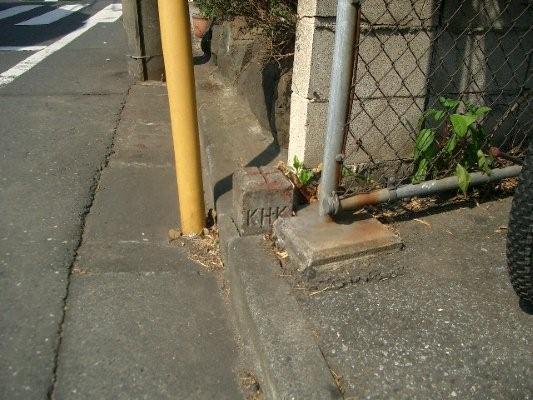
413 54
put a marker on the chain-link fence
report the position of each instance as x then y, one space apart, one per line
427 72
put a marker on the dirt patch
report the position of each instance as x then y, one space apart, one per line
250 386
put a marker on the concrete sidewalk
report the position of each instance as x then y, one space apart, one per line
448 326
142 319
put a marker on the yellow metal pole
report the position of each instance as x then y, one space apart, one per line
177 53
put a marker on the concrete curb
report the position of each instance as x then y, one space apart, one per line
290 363
270 319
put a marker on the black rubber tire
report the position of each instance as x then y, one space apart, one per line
520 233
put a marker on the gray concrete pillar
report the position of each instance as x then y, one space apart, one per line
315 37
141 22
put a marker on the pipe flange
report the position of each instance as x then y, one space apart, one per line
331 205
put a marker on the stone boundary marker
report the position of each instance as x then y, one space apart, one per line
260 196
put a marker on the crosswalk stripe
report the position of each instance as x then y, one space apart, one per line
21 48
10 12
54 15
110 13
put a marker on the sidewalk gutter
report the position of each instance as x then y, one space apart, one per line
290 363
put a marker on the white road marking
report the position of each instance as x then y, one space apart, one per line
21 48
109 14
10 12
54 15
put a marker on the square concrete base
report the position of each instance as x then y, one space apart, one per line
314 241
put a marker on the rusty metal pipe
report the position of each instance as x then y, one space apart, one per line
497 153
422 189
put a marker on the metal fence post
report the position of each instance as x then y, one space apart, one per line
341 81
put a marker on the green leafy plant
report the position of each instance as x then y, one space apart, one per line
451 140
219 9
304 174
205 12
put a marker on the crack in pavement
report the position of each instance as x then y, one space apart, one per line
83 218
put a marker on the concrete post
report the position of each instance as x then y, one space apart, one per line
141 22
310 85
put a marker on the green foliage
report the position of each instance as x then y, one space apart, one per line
346 172
304 174
275 18
228 9
463 177
451 140
363 179
219 9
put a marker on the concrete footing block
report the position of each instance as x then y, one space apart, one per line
260 196
320 242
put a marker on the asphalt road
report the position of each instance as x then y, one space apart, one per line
52 149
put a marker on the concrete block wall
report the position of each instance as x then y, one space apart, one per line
310 82
416 51
390 69
466 67
487 57
498 14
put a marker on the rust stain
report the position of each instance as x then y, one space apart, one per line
361 200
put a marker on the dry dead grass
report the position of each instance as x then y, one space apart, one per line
203 249
390 213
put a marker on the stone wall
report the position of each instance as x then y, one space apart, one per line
242 59
411 52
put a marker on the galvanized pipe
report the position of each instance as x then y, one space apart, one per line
341 78
421 189
352 89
